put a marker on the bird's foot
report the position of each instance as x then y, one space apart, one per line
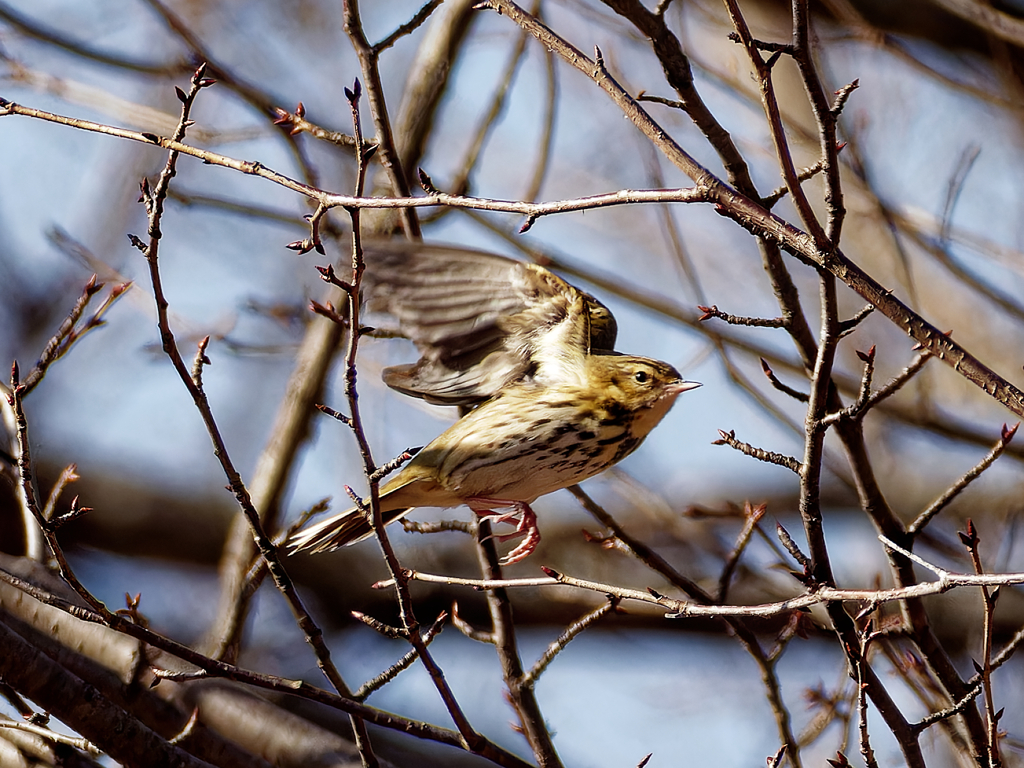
521 514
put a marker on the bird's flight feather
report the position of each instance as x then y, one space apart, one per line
480 321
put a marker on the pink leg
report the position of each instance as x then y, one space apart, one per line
526 525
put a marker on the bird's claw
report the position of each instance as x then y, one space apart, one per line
526 526
525 548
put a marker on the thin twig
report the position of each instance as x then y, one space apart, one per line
769 457
571 632
751 517
404 663
57 738
754 322
796 394
28 495
919 523
971 539
408 28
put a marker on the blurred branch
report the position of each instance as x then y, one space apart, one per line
47 35
992 20
214 668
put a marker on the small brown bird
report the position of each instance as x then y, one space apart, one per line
558 405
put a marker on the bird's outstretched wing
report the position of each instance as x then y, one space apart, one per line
480 321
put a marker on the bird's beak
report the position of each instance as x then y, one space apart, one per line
683 386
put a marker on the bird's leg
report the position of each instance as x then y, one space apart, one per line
526 524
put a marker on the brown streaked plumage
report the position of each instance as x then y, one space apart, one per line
529 440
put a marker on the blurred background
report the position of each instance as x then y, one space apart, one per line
931 173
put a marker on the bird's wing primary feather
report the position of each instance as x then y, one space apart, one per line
480 321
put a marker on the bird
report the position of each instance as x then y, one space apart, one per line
553 403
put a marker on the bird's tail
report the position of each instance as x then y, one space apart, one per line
338 530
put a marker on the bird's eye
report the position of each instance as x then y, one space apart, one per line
641 377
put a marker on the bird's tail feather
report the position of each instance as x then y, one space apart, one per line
338 530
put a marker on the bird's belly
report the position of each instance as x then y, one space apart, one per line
541 464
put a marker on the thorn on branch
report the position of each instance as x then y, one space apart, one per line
73 513
924 346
